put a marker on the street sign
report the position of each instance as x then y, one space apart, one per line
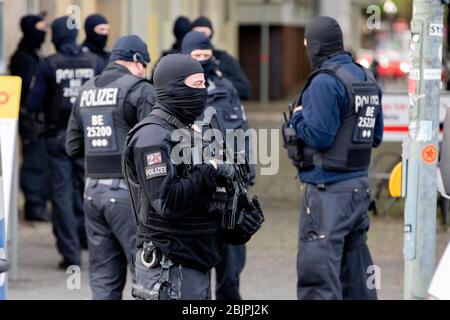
10 90
396 116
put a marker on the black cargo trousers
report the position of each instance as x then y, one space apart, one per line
333 260
111 235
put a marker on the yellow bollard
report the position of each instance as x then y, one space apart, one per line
395 181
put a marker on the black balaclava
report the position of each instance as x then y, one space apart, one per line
324 37
64 35
94 41
32 37
181 27
203 22
198 41
172 94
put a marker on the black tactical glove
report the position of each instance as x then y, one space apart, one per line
248 222
251 218
224 174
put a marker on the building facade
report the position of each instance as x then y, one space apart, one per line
237 25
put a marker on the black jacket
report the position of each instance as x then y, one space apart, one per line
104 54
232 70
170 200
45 93
24 63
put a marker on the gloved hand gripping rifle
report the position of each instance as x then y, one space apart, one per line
237 188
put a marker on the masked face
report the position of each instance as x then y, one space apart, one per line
40 32
99 36
34 30
189 97
194 87
313 51
97 31
181 28
205 59
323 39
180 87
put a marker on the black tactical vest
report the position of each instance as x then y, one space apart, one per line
352 147
148 221
71 73
105 127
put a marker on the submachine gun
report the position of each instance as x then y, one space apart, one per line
236 189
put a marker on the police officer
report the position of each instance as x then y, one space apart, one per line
97 30
33 177
181 27
338 121
107 108
54 89
223 96
179 240
229 66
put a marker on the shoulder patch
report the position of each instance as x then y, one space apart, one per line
153 158
156 170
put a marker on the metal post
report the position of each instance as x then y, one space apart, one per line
3 278
421 148
265 54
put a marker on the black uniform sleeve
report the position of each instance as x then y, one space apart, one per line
40 87
232 70
139 102
21 65
170 195
75 134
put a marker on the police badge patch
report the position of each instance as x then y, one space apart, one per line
153 158
156 170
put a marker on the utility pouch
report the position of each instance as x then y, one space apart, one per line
163 288
218 202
